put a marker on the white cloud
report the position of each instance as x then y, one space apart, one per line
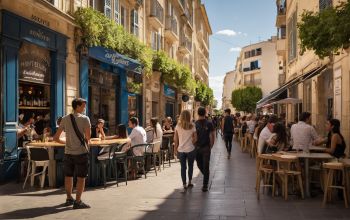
235 49
227 32
216 83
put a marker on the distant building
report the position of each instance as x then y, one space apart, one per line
227 90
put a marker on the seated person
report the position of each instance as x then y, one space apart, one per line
278 141
25 129
137 136
167 126
99 130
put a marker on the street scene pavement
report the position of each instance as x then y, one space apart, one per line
231 196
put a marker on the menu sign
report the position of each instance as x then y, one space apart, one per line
34 64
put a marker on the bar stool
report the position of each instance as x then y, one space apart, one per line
264 172
331 169
288 166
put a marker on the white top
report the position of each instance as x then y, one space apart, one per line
185 139
302 135
251 126
157 136
138 136
264 136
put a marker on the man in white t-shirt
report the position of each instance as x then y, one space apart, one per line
266 133
137 136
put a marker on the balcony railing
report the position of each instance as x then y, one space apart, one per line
186 43
171 24
188 15
254 82
157 10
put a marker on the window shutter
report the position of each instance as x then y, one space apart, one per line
159 43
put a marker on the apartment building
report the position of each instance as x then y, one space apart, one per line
228 87
257 65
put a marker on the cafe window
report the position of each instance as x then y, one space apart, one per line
35 84
103 98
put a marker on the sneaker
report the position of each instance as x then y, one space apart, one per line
190 185
228 156
205 188
80 205
69 202
184 189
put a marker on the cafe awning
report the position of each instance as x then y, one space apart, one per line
280 92
288 101
114 58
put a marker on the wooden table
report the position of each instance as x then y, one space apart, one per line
317 148
306 157
95 144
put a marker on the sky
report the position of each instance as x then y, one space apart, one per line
235 24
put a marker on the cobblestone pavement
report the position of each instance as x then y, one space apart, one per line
231 196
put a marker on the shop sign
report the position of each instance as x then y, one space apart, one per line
114 58
169 91
40 20
34 64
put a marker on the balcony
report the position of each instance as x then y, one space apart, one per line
187 16
171 29
281 47
156 17
185 45
254 82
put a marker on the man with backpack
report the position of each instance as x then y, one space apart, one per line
205 141
227 129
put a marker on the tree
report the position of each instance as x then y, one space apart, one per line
326 31
246 99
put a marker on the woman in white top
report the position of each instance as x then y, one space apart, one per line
185 137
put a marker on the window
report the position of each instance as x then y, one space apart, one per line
116 11
246 54
252 52
258 51
156 40
323 4
51 1
123 16
292 37
255 65
108 8
134 22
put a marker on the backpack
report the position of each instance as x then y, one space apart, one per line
203 129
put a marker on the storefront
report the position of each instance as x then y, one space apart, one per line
104 78
33 70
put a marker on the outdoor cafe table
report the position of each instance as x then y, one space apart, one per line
94 150
306 157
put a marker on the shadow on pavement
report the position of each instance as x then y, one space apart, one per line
34 212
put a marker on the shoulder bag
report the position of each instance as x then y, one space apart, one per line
83 141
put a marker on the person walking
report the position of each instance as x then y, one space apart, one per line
185 137
227 130
76 160
205 141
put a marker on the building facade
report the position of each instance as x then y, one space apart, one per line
44 66
227 90
257 66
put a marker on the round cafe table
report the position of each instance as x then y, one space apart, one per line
94 150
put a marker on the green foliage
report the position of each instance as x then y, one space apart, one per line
173 73
134 87
98 30
204 94
326 31
245 99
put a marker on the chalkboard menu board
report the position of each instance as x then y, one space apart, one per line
34 64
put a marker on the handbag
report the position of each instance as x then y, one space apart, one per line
83 141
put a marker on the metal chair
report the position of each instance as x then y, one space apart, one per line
139 156
37 157
166 150
154 152
120 157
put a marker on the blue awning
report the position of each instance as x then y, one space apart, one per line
113 58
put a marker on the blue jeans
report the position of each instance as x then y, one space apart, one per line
189 157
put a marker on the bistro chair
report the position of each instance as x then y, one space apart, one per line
254 148
37 157
154 152
120 157
165 150
265 171
289 166
139 157
333 168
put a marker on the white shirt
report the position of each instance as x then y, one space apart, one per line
302 135
138 136
264 136
251 126
157 136
185 139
